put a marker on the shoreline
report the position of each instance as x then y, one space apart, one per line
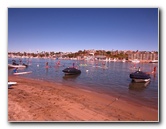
119 60
40 101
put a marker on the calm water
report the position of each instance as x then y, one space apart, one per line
111 80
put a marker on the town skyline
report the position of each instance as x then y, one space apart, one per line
143 56
37 51
73 29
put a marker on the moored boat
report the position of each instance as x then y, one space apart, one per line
16 66
71 71
140 76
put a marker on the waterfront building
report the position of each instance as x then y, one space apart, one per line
143 55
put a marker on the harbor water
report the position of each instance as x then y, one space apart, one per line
111 78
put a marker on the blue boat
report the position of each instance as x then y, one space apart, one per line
71 71
140 76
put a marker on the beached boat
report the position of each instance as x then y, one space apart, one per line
140 76
16 66
20 73
11 84
71 71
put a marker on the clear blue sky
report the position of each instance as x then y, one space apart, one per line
74 29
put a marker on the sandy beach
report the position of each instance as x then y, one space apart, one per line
37 100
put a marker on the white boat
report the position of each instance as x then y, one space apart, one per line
16 66
12 83
20 73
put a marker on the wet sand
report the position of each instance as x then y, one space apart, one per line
41 101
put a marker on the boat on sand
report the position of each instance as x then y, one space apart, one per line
11 84
20 73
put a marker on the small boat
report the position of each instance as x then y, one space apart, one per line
71 71
140 76
20 73
16 66
12 83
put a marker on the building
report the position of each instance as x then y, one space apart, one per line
143 55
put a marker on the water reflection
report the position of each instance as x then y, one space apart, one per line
154 76
70 77
138 86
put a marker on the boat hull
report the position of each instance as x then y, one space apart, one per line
16 66
140 76
20 73
12 83
71 71
141 80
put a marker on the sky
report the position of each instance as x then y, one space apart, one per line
74 29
